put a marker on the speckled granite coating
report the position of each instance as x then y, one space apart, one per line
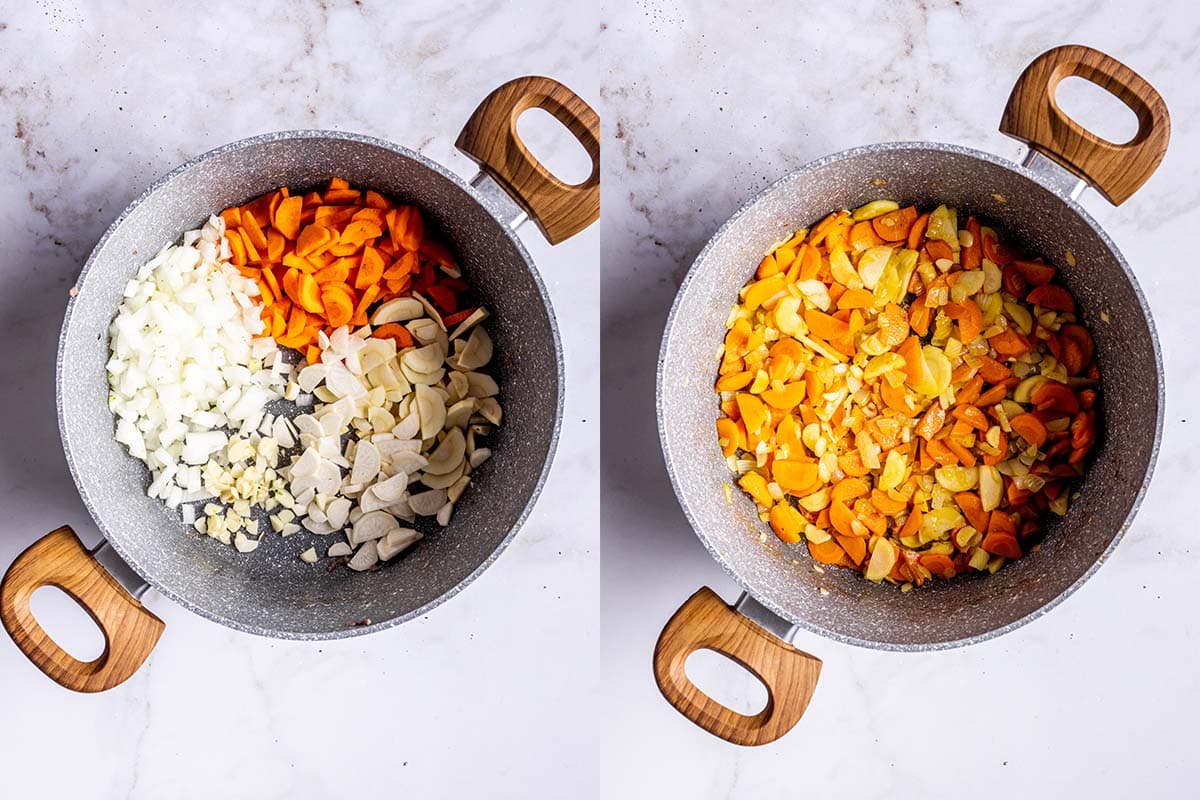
271 592
970 609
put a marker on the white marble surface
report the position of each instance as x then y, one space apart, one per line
705 103
492 694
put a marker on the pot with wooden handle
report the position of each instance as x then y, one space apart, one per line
271 592
1036 204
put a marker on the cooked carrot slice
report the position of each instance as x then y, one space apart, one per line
862 235
1034 273
939 564
932 421
969 319
825 326
287 217
857 298
829 552
895 225
1029 428
1054 396
849 489
1009 344
917 232
1052 296
972 416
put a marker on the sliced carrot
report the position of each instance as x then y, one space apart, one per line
396 331
1029 428
1054 396
996 251
931 422
359 231
969 393
969 319
825 326
796 476
1034 272
939 250
862 236
895 225
917 232
1052 296
919 317
992 370
911 525
370 270
886 504
1002 544
287 217
829 552
993 395
338 304
1009 344
939 564
856 298
972 416
251 228
237 248
972 508
855 547
308 294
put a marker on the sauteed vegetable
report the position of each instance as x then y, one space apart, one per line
908 397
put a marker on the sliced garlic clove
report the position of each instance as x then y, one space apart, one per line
339 549
459 414
430 310
424 330
422 378
426 504
489 409
319 528
443 481
478 456
396 542
457 488
373 525
432 411
244 543
401 309
477 352
448 455
391 489
366 463
477 316
338 512
312 376
307 464
482 385
366 557
424 359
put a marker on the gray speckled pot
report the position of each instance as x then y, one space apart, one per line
272 592
1038 210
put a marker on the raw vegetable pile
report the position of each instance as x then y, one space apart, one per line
393 374
908 397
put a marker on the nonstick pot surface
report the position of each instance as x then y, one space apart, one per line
270 591
839 603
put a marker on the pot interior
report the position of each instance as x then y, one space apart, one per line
839 602
271 591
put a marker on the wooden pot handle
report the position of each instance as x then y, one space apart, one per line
706 622
130 631
490 138
1033 116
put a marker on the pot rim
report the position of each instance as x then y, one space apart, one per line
681 492
474 194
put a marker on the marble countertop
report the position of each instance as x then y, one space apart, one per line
706 103
475 700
